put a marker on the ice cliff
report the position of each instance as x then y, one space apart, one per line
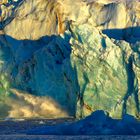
61 58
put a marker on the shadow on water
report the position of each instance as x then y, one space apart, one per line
131 34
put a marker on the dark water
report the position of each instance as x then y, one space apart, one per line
13 127
53 137
14 130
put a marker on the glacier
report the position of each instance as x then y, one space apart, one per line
69 58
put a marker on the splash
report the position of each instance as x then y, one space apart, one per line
20 104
